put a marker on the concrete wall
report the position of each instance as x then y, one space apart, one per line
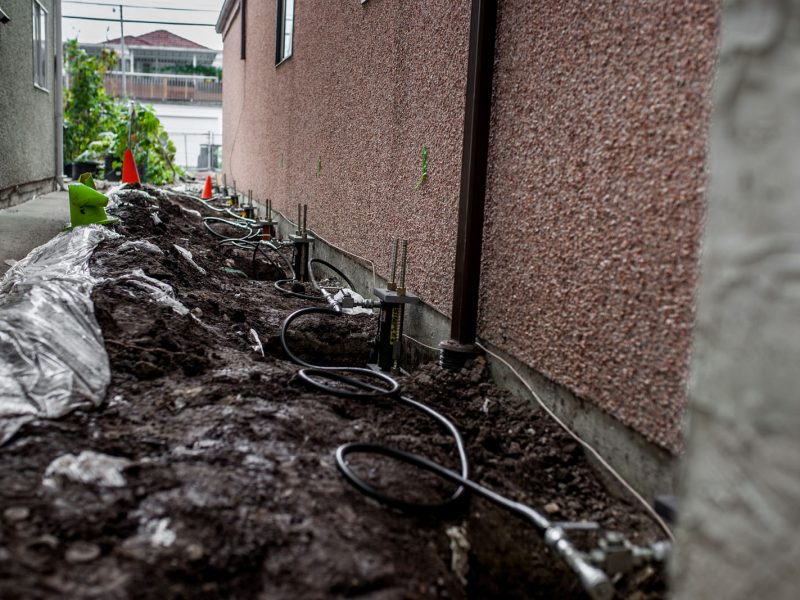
188 127
594 202
27 130
738 538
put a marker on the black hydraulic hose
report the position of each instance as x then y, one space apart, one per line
259 245
250 231
312 374
205 203
593 580
281 282
228 210
249 241
314 298
319 261
521 510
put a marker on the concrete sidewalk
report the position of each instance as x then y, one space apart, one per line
25 226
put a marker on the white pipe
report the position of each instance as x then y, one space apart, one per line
58 96
122 52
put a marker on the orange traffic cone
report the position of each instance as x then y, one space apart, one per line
129 172
207 189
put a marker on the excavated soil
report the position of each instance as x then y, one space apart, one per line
231 490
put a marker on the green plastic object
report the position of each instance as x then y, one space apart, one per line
423 166
86 204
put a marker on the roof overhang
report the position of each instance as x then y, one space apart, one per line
226 16
154 48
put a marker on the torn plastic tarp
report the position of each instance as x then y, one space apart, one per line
159 292
140 245
189 258
52 356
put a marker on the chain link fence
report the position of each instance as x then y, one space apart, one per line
197 151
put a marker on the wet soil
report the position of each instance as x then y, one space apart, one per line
232 491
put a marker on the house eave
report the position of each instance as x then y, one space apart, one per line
226 15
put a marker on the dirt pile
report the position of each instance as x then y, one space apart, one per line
228 487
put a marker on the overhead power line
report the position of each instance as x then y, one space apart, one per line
140 21
111 5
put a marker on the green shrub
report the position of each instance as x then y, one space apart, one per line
96 124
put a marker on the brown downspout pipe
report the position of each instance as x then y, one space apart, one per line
477 115
243 24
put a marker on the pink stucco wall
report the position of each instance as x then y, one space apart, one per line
595 198
594 203
367 86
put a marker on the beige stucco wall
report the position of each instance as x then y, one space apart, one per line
595 198
367 86
594 202
27 121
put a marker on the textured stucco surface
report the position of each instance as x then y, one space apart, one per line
595 192
367 86
740 509
595 198
27 135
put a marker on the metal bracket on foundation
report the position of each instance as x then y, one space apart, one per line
393 300
301 242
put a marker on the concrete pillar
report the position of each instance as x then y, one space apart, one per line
738 534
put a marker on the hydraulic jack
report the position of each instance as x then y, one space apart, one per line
301 242
233 199
268 225
393 300
224 186
248 211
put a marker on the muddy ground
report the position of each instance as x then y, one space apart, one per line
230 489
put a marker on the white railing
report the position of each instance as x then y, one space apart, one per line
165 87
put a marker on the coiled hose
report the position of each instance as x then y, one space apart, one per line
280 283
340 381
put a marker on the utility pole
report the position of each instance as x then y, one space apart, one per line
122 52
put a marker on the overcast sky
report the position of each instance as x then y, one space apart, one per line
97 31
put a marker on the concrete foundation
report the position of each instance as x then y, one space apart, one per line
17 194
31 224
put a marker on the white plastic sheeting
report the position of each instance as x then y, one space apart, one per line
158 291
52 356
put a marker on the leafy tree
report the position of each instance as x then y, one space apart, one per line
96 124
88 110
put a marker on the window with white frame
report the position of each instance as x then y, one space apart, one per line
39 45
283 37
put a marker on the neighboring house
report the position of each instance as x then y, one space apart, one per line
189 106
157 52
29 98
594 193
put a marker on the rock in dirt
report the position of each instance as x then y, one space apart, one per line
82 552
552 508
460 547
14 514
